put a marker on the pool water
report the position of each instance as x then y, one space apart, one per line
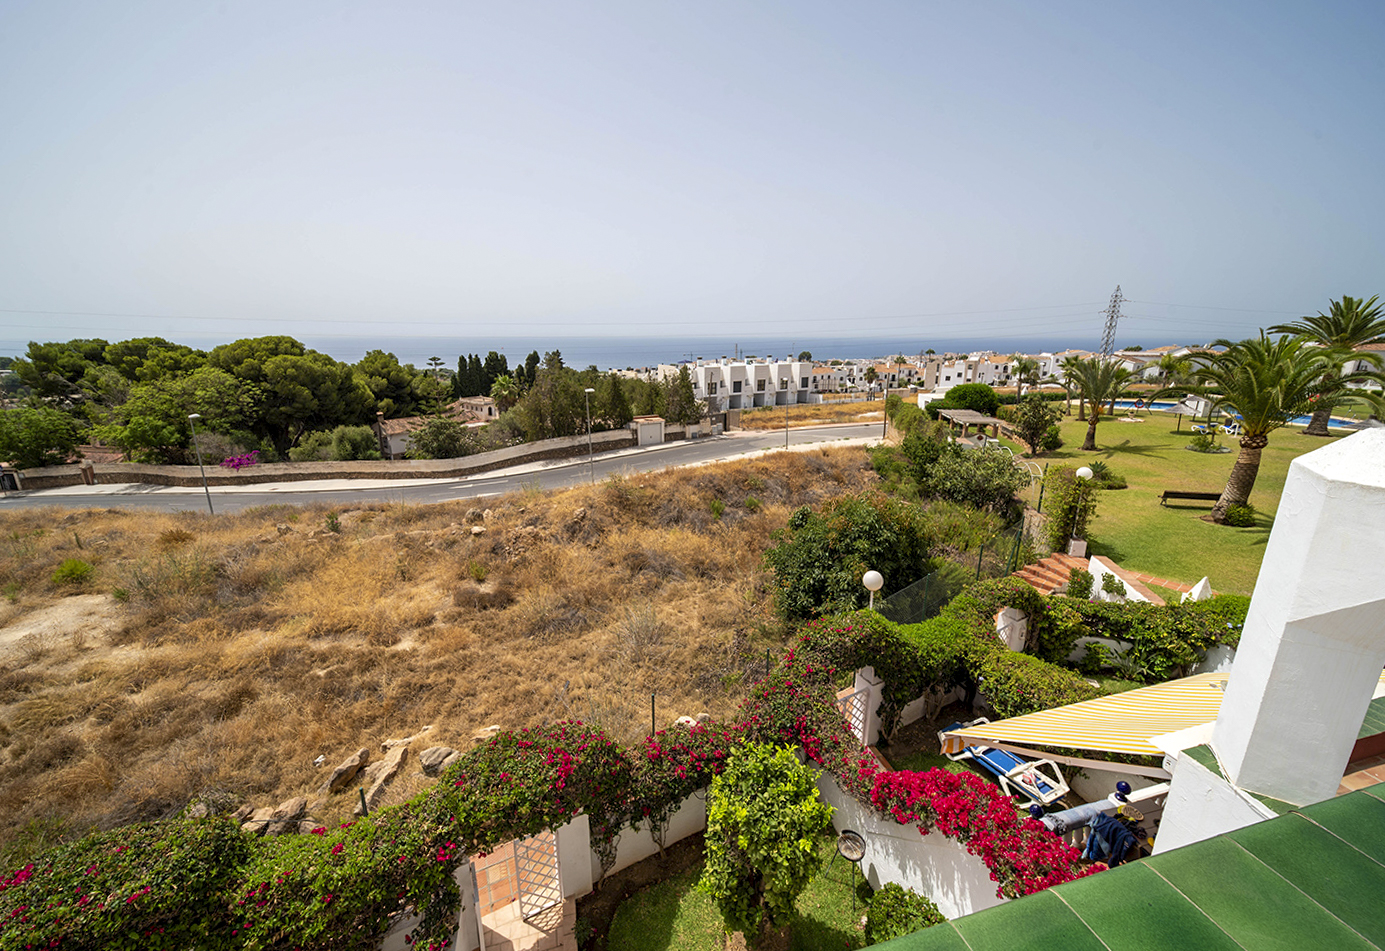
1296 421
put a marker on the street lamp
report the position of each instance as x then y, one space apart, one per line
874 581
192 419
1084 474
591 460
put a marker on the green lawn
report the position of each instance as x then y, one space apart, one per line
1173 542
675 916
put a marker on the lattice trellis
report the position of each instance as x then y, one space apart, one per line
853 707
536 868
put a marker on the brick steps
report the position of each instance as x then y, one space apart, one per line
1052 573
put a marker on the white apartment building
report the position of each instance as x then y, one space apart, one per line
744 384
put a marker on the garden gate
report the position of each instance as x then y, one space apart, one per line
536 870
853 707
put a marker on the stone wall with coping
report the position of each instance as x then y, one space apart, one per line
189 476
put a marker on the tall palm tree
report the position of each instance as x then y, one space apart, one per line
505 391
1070 365
1267 382
1173 370
1350 322
1026 371
1098 382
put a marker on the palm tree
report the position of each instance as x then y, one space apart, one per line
1267 382
1173 370
505 391
1070 366
1350 323
1026 371
1098 381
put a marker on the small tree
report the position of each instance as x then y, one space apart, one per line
1032 417
33 436
763 819
982 478
1070 503
441 438
683 405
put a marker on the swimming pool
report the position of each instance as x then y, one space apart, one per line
1333 423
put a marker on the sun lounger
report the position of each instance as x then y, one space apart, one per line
1038 780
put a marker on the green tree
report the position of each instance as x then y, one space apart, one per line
1031 417
152 425
343 444
1173 370
805 355
144 359
1070 365
1349 323
394 387
1099 382
505 391
819 559
531 369
681 404
764 817
615 405
34 435
1267 382
441 438
57 369
303 390
553 406
981 478
494 367
870 376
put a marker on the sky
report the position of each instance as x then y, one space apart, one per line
924 171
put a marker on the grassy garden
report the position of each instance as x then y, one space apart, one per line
674 916
1173 541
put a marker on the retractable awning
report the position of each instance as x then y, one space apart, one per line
1120 723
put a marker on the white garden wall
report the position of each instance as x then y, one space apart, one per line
636 843
933 865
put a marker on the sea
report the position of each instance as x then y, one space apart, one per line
614 353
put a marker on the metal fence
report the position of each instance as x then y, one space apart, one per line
1002 555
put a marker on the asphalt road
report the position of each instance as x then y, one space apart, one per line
555 474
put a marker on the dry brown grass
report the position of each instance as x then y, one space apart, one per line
814 414
247 645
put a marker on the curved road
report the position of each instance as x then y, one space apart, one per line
552 474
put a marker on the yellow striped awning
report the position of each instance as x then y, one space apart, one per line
1120 723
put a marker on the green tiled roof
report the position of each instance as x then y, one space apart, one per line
1312 879
1375 719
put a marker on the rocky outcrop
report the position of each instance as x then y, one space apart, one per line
435 759
378 776
344 773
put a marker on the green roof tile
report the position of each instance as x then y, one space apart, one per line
1134 909
1357 818
1250 901
1038 923
1204 755
1375 719
1334 874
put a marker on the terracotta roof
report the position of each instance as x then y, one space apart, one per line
1378 346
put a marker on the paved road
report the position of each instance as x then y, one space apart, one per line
555 474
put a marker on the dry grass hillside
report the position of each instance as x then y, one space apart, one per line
222 656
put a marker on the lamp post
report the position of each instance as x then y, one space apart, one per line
1084 476
591 459
874 581
786 422
192 419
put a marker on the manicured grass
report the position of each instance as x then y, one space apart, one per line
1174 542
675 916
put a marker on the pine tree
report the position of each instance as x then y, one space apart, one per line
616 404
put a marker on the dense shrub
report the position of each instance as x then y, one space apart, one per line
1241 516
343 444
973 396
986 479
908 417
36 435
760 812
1110 584
1080 584
819 559
1070 504
896 911
1053 439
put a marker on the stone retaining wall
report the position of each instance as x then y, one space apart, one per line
125 472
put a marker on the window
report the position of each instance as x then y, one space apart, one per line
803 383
711 387
783 384
759 386
736 386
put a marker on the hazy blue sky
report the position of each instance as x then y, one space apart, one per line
948 170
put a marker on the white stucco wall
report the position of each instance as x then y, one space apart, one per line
933 865
1314 640
1201 804
468 935
636 843
574 857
